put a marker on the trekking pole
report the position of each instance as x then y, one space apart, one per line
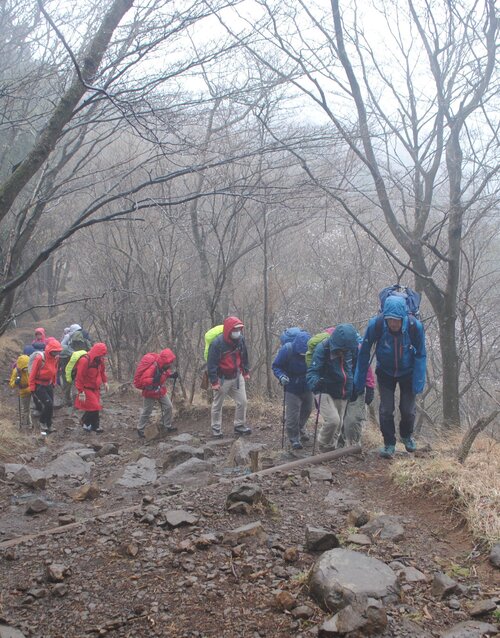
318 405
19 406
283 419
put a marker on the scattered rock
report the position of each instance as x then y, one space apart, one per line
65 519
385 527
341 574
453 603
495 555
180 518
320 540
129 549
185 437
143 472
252 531
107 448
317 473
359 539
87 492
247 493
205 541
239 508
87 454
364 615
36 507
302 612
10 632
470 629
181 453
239 454
482 607
443 586
358 517
31 477
408 573
60 590
291 555
284 601
56 572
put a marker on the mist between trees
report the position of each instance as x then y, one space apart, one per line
172 163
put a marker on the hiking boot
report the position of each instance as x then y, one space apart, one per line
409 443
140 433
87 428
242 430
388 451
326 448
99 430
170 428
217 434
297 446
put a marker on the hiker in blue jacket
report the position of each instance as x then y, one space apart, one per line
289 367
401 359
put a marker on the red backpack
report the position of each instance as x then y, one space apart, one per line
146 361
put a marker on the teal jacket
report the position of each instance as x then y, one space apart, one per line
332 368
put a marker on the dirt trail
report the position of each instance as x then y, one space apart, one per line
126 575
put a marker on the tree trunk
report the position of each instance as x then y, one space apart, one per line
469 438
451 369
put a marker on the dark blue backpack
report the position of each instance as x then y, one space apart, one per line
412 299
288 335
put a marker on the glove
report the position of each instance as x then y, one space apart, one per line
18 380
369 395
246 376
216 386
81 396
284 379
174 375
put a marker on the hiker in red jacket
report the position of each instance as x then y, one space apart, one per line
228 369
90 376
150 376
43 375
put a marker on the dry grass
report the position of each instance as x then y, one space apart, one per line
473 488
12 441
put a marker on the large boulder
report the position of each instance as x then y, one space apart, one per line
341 575
495 555
68 464
192 472
239 454
31 477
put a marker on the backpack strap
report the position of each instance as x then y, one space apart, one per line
412 328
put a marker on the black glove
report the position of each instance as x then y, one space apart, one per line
174 375
369 395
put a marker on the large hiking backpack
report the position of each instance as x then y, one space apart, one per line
33 355
146 361
79 341
288 335
412 299
210 335
72 366
313 342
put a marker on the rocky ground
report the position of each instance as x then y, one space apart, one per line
109 535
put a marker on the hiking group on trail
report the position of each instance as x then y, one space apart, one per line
330 371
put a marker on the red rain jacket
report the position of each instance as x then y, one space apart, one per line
90 375
152 373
